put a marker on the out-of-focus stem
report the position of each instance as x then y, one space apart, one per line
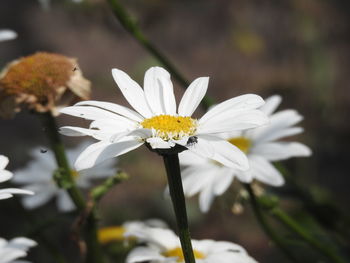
130 25
266 227
171 162
296 228
65 178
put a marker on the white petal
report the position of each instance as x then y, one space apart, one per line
22 243
222 182
202 148
5 175
275 151
6 34
278 122
222 151
167 94
158 143
206 198
3 162
78 131
100 151
120 125
189 158
17 191
193 96
271 104
160 96
115 108
43 194
233 121
240 103
89 113
143 254
64 202
276 134
141 133
195 178
132 92
264 171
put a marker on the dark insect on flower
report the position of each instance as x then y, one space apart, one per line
75 68
192 140
43 150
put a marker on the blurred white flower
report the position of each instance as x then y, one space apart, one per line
159 123
7 34
262 146
14 249
6 175
162 245
121 233
38 177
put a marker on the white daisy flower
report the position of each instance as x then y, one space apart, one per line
7 34
121 233
163 246
159 123
6 175
262 146
38 176
14 249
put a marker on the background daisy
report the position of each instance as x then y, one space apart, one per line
37 175
262 146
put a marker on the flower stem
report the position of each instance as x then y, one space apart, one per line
172 165
266 227
296 228
131 26
65 180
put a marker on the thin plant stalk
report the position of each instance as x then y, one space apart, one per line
172 165
276 239
66 180
292 225
131 26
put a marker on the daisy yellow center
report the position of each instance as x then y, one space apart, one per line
112 233
177 252
241 142
170 127
75 174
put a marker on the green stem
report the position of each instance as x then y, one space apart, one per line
171 162
65 179
296 228
266 227
130 25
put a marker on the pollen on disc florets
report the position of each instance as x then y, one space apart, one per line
242 143
171 127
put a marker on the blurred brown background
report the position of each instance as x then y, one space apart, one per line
298 49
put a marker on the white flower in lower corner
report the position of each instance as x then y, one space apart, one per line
262 146
7 34
14 249
38 177
6 175
158 122
163 246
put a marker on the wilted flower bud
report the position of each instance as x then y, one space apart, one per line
41 82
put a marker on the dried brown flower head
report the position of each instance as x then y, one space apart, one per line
41 82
